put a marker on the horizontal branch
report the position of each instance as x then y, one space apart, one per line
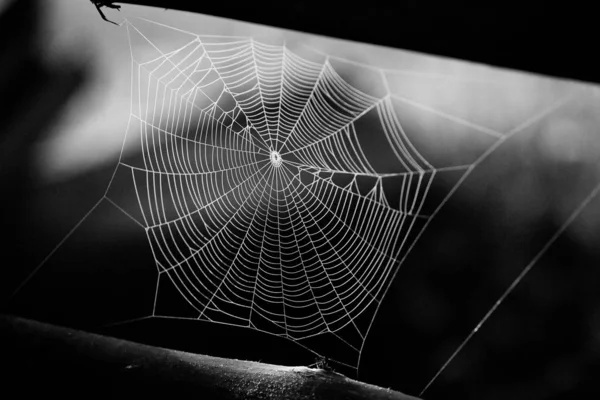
442 28
42 358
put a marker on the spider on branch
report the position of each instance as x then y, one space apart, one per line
322 362
105 3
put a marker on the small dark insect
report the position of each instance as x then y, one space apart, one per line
322 362
105 3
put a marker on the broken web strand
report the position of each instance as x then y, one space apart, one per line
257 144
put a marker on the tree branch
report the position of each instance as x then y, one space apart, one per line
38 356
435 27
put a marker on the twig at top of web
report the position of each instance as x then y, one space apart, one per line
105 3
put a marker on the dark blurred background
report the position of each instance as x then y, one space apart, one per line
543 342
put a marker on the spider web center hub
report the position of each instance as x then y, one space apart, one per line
276 159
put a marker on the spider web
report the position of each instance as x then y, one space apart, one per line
259 200
262 185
